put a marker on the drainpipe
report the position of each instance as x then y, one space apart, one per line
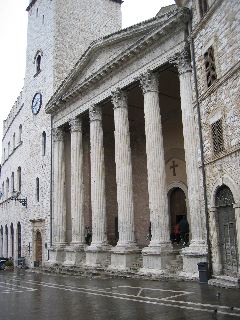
51 181
201 144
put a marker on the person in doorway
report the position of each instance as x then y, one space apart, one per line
184 230
177 233
88 235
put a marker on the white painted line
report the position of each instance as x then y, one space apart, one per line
157 289
148 300
18 286
175 296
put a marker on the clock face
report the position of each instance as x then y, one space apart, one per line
36 103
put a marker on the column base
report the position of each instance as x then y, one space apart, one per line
156 258
57 254
75 255
98 255
125 257
192 255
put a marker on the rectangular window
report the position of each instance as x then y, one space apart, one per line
210 67
217 136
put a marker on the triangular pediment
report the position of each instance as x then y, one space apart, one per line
109 51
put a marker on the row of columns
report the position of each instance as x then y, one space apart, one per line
158 203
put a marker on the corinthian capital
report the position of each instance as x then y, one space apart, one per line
75 124
182 61
119 99
149 82
58 134
95 113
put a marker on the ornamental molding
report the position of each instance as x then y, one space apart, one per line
119 99
95 113
58 134
149 82
160 28
75 125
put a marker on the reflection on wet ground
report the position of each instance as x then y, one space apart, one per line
37 296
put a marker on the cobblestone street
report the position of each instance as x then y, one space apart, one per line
26 295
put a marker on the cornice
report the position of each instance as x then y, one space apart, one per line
159 30
31 4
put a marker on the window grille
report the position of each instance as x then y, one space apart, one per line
210 67
217 136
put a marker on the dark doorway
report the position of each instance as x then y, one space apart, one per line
19 236
12 240
227 231
38 248
178 207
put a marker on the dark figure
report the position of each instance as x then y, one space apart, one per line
88 236
184 230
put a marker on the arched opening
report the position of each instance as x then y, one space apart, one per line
12 240
20 134
227 231
178 212
1 241
38 63
19 240
44 139
6 242
38 244
19 178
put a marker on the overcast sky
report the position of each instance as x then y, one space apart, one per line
13 37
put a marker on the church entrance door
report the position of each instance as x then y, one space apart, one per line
38 248
227 231
177 206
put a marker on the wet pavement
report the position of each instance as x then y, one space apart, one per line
36 296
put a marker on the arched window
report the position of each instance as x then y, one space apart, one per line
7 187
37 189
6 242
12 182
4 154
43 19
38 63
14 143
19 240
2 192
20 134
19 178
8 148
44 143
37 13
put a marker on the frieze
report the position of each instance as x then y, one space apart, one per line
149 82
119 99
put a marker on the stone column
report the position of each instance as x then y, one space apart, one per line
75 253
97 253
124 254
156 256
237 217
197 251
59 194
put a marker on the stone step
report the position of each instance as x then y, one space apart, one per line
225 282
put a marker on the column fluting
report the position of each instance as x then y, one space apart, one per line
123 171
59 195
98 196
157 189
77 186
197 223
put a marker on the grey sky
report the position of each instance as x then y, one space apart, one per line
13 37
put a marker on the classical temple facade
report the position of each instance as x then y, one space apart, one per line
144 129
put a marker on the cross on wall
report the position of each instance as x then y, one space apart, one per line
174 166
